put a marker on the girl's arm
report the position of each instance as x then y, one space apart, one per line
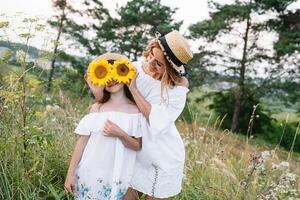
76 156
112 130
96 90
130 142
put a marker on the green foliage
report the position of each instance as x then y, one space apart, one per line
278 5
287 25
94 15
220 20
136 25
252 55
289 34
283 134
223 104
197 73
70 80
128 33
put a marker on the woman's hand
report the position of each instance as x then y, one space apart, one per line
112 130
96 89
69 184
132 85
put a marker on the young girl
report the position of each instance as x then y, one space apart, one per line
104 155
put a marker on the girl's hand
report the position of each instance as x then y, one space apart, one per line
112 130
96 89
69 184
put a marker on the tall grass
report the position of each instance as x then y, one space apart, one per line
37 139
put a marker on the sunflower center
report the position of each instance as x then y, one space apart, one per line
122 70
100 72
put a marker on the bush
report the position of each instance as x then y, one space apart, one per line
223 104
283 134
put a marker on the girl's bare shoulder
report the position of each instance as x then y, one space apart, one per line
132 108
95 107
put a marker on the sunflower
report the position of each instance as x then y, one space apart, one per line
123 71
99 72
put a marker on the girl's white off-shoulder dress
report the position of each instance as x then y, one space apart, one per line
106 166
158 171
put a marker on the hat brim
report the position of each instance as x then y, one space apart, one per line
180 69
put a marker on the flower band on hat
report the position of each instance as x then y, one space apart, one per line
169 51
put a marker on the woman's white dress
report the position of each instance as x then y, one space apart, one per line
158 171
106 166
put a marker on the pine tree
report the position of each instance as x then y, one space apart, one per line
238 23
136 24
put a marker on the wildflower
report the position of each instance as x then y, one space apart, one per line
56 107
202 129
284 164
199 162
31 141
265 154
186 142
20 55
48 108
274 166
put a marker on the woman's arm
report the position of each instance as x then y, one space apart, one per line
143 105
76 156
113 130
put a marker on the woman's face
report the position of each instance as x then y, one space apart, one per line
156 61
114 87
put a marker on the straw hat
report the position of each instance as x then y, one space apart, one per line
176 50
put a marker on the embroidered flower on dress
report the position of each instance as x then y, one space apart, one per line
82 191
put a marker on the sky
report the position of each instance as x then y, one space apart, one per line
190 11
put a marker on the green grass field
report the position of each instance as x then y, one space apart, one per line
36 143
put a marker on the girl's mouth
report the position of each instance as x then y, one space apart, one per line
111 84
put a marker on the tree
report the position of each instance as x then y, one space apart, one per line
84 25
60 6
136 24
79 26
235 32
287 48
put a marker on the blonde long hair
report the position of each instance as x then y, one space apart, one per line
170 77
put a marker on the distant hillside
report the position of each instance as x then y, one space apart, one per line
14 47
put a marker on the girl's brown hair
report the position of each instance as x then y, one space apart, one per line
106 95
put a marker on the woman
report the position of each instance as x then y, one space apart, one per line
159 91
